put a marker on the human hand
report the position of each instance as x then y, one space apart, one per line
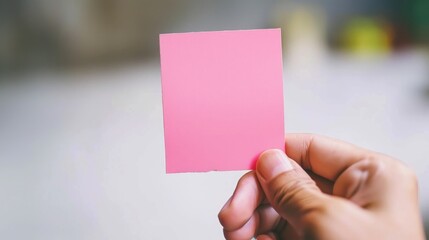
327 189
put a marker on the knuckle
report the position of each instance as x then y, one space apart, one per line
244 179
410 177
285 195
226 220
408 173
378 166
223 218
387 168
296 197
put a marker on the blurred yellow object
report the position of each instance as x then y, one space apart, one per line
363 36
304 39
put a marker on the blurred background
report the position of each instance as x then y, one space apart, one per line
81 135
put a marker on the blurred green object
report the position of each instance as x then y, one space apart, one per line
418 16
364 36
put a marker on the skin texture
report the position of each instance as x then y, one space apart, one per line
324 189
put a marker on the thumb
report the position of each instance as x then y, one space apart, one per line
288 188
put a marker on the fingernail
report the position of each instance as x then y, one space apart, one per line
273 162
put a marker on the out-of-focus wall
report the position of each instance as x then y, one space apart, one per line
52 32
39 33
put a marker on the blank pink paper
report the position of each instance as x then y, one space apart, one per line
222 98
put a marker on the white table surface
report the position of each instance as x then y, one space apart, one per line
82 157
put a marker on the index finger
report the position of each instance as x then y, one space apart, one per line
323 156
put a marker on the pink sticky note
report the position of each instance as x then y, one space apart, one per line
222 98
